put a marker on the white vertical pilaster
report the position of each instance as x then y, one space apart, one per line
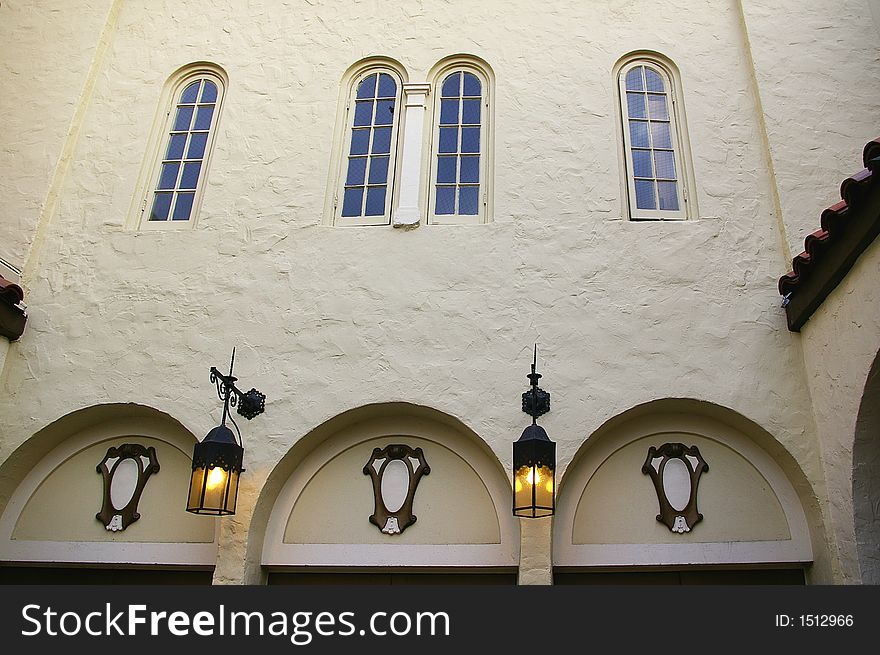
408 212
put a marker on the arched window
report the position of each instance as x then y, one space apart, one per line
185 148
367 176
651 134
460 147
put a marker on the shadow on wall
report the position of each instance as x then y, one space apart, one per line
866 479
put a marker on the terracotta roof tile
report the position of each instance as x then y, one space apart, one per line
847 227
9 292
12 314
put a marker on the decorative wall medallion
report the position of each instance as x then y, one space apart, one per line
125 470
395 471
675 470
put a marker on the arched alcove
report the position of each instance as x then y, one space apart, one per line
866 478
756 509
98 461
314 511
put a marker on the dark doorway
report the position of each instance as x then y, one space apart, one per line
793 576
361 577
41 575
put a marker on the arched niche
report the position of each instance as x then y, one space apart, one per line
53 489
866 479
752 513
319 515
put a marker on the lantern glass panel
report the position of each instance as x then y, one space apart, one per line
213 491
533 488
195 489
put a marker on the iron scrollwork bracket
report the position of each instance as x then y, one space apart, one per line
249 404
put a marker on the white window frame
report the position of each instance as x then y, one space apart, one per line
178 83
484 212
394 151
672 91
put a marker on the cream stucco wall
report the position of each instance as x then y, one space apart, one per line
841 342
63 507
817 68
619 505
329 319
48 53
451 502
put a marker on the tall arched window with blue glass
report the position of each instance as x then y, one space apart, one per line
368 179
655 179
459 162
188 138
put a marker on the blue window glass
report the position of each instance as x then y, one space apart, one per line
203 117
660 136
468 197
652 163
654 81
638 134
184 118
457 185
668 195
360 142
470 170
634 79
451 86
185 151
168 179
657 107
161 205
197 143
363 113
445 202
472 86
664 164
369 166
354 198
449 112
357 168
175 146
381 140
470 112
183 206
190 177
470 139
367 88
387 86
448 139
190 94
384 112
645 194
446 170
642 163
635 103
378 170
209 92
375 201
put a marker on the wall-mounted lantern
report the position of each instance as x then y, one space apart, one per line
534 457
217 460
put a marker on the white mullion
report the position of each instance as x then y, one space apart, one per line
175 194
372 128
456 189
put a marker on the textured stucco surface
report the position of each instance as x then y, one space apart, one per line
48 48
841 342
334 502
64 505
619 504
327 319
817 67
